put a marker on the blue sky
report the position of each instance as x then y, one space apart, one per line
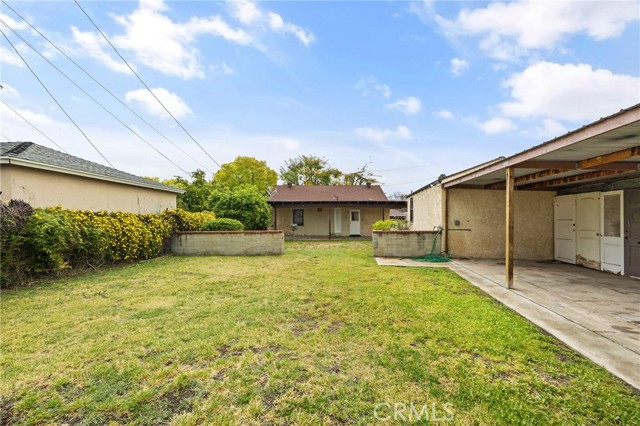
416 89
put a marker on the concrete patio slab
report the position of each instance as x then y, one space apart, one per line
595 313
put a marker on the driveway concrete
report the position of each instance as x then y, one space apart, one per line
595 313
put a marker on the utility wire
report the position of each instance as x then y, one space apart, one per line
143 83
32 125
92 98
54 99
103 87
6 138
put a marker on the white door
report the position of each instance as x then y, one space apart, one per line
354 226
588 230
564 215
612 242
337 221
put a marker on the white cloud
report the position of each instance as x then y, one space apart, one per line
9 91
380 135
172 101
458 66
423 10
248 13
285 143
497 125
158 42
366 85
446 114
550 129
509 29
574 92
93 44
10 57
409 105
12 23
227 70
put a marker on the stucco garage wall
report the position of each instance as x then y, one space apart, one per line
427 209
316 223
43 188
241 243
481 232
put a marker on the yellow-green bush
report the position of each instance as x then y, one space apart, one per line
54 239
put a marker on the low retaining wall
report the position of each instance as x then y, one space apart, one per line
228 243
404 243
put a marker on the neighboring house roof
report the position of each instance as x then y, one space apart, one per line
29 154
329 194
398 212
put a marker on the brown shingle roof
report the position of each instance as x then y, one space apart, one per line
327 193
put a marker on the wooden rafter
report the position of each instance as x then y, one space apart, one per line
609 158
608 163
573 179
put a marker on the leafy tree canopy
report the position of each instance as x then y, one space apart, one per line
245 171
245 203
313 170
196 191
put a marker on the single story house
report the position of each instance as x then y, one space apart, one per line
329 210
44 177
574 199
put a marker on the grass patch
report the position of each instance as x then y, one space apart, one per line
317 336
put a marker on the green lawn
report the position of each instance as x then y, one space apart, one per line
319 336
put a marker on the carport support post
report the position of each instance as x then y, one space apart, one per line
509 228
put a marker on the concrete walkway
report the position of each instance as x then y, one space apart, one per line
595 313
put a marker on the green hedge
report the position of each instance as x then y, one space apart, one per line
46 241
222 224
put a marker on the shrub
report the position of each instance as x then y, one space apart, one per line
222 224
390 225
49 240
245 204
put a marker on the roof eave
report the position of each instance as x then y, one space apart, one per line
49 167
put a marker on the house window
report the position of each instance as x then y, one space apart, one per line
298 217
411 209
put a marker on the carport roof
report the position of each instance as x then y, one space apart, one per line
605 150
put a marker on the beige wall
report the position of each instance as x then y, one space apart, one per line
404 243
250 243
42 188
316 220
427 209
481 233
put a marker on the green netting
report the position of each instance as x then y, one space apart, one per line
434 256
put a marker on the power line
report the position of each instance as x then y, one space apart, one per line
55 100
144 84
92 98
103 87
6 138
32 125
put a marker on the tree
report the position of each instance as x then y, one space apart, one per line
313 170
398 196
245 171
360 177
245 203
196 193
309 170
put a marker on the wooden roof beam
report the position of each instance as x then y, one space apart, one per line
573 179
573 165
591 163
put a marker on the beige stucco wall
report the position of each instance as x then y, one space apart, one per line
481 232
403 243
427 209
316 220
42 188
248 243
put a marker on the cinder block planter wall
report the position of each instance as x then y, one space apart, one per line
404 243
228 243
